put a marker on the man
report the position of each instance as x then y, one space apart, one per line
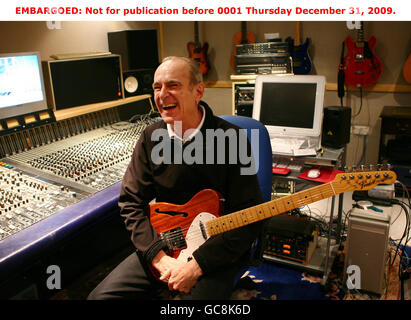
178 89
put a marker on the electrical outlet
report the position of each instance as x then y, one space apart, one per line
360 130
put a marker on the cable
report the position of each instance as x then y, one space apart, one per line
364 150
359 111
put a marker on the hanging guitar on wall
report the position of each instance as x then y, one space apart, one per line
406 71
242 37
299 52
198 52
362 67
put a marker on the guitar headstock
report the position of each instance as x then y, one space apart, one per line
362 179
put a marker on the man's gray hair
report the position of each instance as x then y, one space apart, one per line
196 76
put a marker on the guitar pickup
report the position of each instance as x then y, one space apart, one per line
174 239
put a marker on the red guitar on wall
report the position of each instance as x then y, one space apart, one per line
242 37
362 67
198 52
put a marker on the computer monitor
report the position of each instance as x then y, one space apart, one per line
21 84
290 105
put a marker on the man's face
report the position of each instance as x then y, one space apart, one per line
175 97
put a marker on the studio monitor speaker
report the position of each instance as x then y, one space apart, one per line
76 82
336 127
138 82
138 48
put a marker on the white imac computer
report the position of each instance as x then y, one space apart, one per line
21 84
291 107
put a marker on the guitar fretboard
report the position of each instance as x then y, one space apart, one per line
269 209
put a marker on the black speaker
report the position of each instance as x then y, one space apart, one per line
77 82
336 127
138 48
138 82
130 110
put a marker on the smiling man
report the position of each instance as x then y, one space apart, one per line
210 271
177 93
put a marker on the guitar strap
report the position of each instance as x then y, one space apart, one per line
341 76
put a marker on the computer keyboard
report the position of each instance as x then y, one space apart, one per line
291 146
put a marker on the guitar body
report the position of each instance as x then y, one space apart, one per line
301 59
239 38
199 54
362 67
406 71
180 225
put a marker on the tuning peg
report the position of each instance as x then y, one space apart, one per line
362 167
389 166
353 168
371 167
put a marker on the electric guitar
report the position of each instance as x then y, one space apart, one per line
362 67
186 227
406 71
242 37
198 52
299 52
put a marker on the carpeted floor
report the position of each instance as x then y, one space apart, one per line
268 281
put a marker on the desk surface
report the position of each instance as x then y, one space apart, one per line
329 158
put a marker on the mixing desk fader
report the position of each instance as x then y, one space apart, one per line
90 161
25 200
41 181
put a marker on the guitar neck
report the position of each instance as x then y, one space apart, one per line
196 37
297 35
271 208
360 36
244 32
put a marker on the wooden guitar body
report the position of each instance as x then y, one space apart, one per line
239 38
362 67
199 54
186 221
406 71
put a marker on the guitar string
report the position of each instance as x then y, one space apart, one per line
318 191
175 235
198 233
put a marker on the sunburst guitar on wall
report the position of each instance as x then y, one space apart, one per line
242 37
406 71
198 52
362 67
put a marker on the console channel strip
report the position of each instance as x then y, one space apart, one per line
39 182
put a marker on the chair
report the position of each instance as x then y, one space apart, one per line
264 155
264 173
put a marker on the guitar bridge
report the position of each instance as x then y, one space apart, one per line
174 239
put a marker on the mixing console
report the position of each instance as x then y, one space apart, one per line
40 181
90 161
25 200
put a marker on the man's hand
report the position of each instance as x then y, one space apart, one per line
181 276
164 264
185 278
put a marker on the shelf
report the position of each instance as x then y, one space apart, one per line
317 263
382 87
80 110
